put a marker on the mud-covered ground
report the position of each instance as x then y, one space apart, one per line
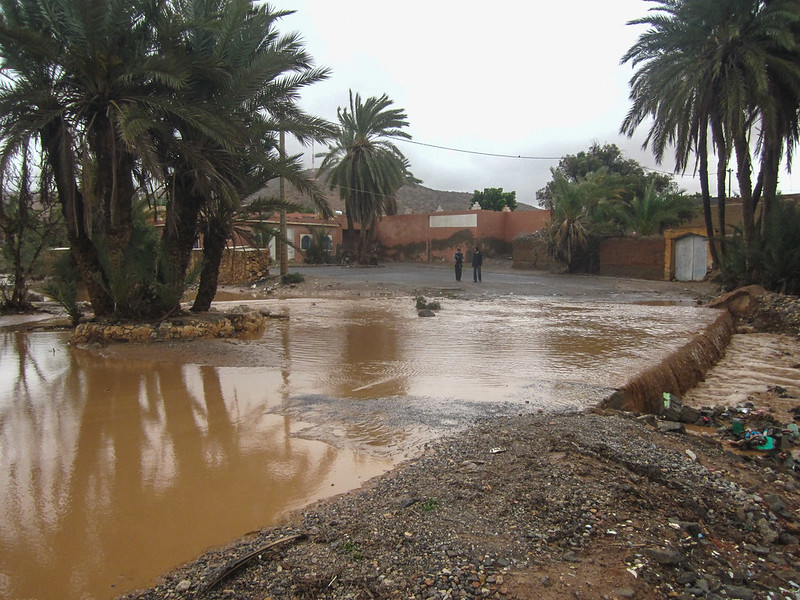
548 506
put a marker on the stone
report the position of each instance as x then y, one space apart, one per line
670 427
426 313
739 593
778 506
689 414
664 556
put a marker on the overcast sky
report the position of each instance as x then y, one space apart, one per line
529 79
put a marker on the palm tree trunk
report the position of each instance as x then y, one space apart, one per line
180 233
745 187
770 165
722 166
114 188
59 156
702 151
213 249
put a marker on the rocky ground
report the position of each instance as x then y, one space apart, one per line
594 505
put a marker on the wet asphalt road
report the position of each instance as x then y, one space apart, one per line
500 279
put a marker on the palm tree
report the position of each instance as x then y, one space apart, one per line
246 71
365 165
650 213
714 65
570 226
83 81
118 94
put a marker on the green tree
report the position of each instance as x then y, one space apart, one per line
653 212
83 81
715 70
570 229
29 223
190 93
494 199
624 178
364 164
244 69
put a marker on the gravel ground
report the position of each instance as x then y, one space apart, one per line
593 505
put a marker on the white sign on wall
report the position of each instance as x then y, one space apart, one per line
458 221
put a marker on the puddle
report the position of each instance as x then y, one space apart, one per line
115 468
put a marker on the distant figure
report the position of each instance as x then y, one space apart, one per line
477 261
458 259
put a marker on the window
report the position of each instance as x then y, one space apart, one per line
305 241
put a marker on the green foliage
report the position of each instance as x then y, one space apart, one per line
365 165
494 199
711 77
423 304
351 549
319 250
772 261
653 212
63 288
147 288
623 178
186 98
29 223
568 235
430 505
290 278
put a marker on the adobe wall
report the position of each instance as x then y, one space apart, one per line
242 265
639 257
435 237
530 252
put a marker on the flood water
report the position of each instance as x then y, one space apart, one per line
116 469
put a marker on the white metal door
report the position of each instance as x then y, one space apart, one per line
691 254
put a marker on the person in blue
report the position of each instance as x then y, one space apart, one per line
458 259
477 261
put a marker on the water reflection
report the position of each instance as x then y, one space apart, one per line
111 471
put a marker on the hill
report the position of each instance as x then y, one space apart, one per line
410 199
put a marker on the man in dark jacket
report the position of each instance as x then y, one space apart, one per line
458 259
477 261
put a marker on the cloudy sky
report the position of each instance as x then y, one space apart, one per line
533 80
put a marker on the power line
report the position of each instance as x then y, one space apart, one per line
519 156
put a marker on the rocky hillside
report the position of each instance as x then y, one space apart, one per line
410 199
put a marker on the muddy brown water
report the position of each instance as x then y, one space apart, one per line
117 466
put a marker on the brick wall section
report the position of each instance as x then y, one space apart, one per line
642 258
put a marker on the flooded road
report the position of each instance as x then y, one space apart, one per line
114 469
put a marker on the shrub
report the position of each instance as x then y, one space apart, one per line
772 261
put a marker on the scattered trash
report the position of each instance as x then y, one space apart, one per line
497 450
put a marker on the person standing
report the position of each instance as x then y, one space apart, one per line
458 259
477 261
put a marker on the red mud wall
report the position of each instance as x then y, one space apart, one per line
427 237
642 258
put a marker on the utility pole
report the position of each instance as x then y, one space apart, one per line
284 249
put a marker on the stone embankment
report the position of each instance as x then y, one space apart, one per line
181 327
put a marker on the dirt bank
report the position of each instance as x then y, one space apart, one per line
592 505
